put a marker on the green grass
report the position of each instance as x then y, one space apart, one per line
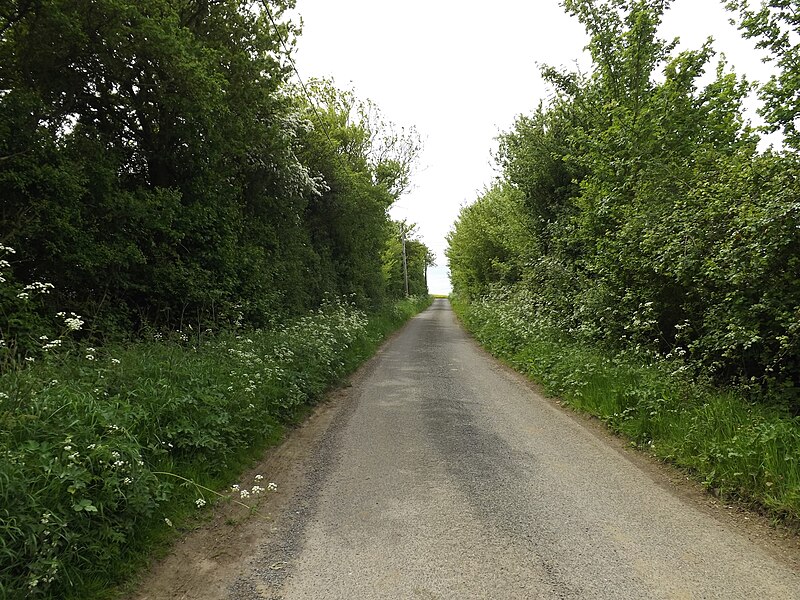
100 448
738 449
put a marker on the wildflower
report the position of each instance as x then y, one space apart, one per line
127 481
114 361
257 489
244 493
272 486
38 286
168 522
43 337
3 396
200 503
24 296
33 583
258 477
73 322
235 487
90 357
46 518
30 359
52 344
67 448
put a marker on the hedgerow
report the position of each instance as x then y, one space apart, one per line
102 447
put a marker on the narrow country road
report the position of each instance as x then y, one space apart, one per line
443 475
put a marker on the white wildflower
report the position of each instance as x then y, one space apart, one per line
200 503
115 361
73 322
257 489
51 344
272 486
258 477
168 522
244 493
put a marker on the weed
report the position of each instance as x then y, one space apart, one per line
741 449
106 451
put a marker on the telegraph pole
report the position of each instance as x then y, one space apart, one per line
405 260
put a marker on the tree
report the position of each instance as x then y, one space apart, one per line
775 27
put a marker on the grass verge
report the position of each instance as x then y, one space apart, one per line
103 453
738 449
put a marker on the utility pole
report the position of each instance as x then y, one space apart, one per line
405 260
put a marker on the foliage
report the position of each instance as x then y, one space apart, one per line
161 179
158 170
418 259
775 27
736 448
635 211
87 437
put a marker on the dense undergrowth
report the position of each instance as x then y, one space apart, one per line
746 450
103 450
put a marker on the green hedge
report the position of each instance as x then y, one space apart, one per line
737 448
96 446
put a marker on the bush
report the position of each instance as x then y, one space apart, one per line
737 448
99 447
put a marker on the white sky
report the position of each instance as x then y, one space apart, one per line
460 71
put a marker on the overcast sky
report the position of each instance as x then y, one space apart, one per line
460 71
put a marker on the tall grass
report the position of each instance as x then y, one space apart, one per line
102 450
750 451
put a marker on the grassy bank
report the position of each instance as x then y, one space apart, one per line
736 448
103 450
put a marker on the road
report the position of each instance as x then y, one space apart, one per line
441 474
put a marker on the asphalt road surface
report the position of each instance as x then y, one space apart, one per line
445 475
